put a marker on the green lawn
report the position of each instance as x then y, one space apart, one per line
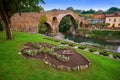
15 67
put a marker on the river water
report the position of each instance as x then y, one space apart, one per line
82 40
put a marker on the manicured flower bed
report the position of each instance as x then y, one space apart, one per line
60 57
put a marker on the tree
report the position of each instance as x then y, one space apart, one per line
91 11
9 7
31 9
42 26
70 8
65 25
113 9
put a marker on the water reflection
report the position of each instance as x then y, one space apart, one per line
105 45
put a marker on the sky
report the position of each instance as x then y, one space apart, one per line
80 4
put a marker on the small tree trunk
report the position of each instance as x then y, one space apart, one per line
8 32
6 21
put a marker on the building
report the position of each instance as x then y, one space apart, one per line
99 17
113 20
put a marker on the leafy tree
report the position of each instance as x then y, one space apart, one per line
113 9
42 26
70 8
9 7
31 9
78 11
91 11
65 25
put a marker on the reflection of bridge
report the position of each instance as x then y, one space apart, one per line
28 22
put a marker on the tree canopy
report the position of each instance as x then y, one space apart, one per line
113 9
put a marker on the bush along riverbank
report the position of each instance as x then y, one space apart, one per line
106 35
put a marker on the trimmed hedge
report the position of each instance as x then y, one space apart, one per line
92 49
104 53
116 55
81 47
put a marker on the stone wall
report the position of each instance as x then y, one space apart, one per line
25 22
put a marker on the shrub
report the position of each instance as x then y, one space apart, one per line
92 49
44 50
36 45
63 42
71 44
47 51
61 47
104 53
81 47
42 26
116 55
30 52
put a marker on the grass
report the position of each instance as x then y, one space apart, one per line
15 67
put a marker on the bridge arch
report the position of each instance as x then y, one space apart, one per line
45 28
49 28
72 19
81 24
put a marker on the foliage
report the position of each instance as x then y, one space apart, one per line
106 34
92 49
44 50
81 47
60 47
42 26
32 9
13 6
112 10
91 11
116 55
86 16
52 39
1 27
36 45
83 31
68 43
70 8
76 25
30 52
104 53
65 25
97 25
48 51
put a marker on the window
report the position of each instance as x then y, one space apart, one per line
114 20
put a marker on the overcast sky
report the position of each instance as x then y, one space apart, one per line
80 4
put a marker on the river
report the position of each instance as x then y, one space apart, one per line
82 40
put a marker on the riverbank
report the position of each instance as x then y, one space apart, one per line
105 35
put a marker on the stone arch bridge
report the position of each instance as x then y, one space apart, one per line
28 22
